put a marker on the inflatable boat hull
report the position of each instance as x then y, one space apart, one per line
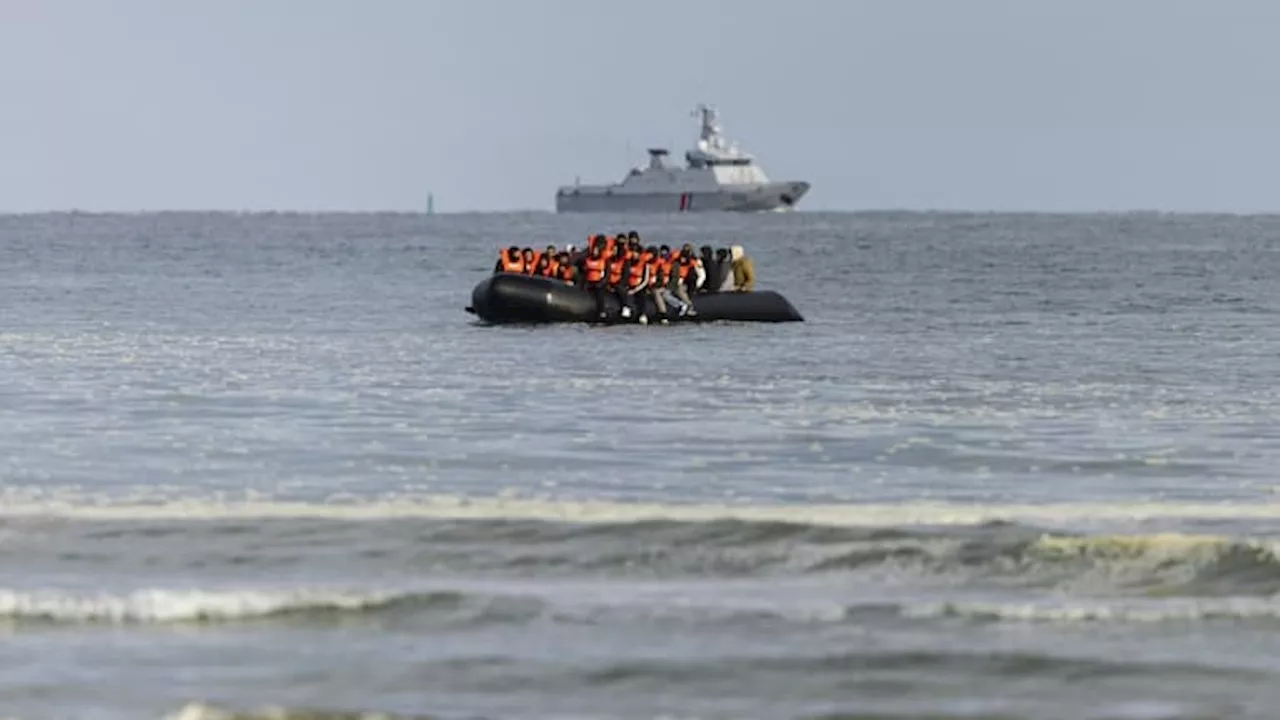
513 298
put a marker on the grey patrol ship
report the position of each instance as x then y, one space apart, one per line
718 177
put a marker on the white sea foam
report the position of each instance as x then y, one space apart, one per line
563 601
174 605
74 505
204 711
1106 611
168 606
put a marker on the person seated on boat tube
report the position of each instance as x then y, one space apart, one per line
624 269
565 269
530 260
669 282
553 261
744 271
595 274
635 280
682 270
616 265
509 261
659 268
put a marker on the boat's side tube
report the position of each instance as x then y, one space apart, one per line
757 306
512 298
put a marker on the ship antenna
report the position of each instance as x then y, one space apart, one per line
710 131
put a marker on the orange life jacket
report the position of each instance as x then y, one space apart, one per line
565 272
658 271
511 266
635 275
666 268
683 267
595 267
615 270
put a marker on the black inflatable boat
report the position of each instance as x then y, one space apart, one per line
513 298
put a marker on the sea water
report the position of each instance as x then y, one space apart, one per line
1011 466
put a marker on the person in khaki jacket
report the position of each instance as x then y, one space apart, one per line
744 271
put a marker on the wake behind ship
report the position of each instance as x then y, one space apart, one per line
718 177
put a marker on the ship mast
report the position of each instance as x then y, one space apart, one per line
710 137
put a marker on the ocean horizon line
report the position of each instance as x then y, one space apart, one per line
539 211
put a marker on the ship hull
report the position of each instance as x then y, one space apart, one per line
507 298
779 196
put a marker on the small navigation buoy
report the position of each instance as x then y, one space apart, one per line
431 204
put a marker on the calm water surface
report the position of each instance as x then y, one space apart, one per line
1012 466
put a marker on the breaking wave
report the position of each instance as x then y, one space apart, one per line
981 563
471 608
70 503
1170 563
164 606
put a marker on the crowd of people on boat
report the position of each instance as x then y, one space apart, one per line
621 264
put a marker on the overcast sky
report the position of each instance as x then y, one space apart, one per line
490 104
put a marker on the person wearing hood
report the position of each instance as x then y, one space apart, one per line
744 271
726 271
715 269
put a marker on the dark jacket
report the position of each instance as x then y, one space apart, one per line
716 271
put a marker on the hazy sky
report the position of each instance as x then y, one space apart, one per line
491 104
